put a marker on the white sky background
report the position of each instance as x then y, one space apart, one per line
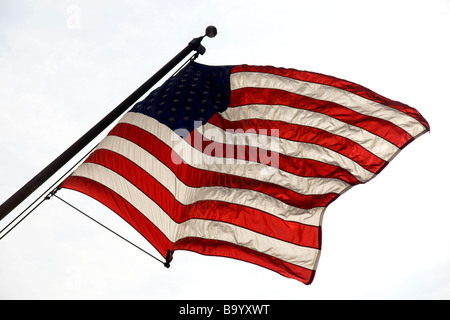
65 64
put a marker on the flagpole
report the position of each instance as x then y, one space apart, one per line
67 155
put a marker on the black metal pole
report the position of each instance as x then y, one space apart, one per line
59 162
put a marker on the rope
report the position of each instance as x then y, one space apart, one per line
86 215
45 193
20 219
49 194
191 59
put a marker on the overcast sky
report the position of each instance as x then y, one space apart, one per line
65 64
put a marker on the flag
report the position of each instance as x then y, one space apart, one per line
242 161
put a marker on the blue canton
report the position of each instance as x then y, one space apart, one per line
194 94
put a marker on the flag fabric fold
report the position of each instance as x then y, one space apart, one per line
242 161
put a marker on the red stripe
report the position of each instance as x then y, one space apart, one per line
203 246
298 166
337 83
224 249
121 207
379 127
197 178
243 216
341 145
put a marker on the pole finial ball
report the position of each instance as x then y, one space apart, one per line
211 31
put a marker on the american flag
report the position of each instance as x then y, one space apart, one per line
241 161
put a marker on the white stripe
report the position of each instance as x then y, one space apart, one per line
373 143
327 93
206 229
286 147
237 167
188 195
